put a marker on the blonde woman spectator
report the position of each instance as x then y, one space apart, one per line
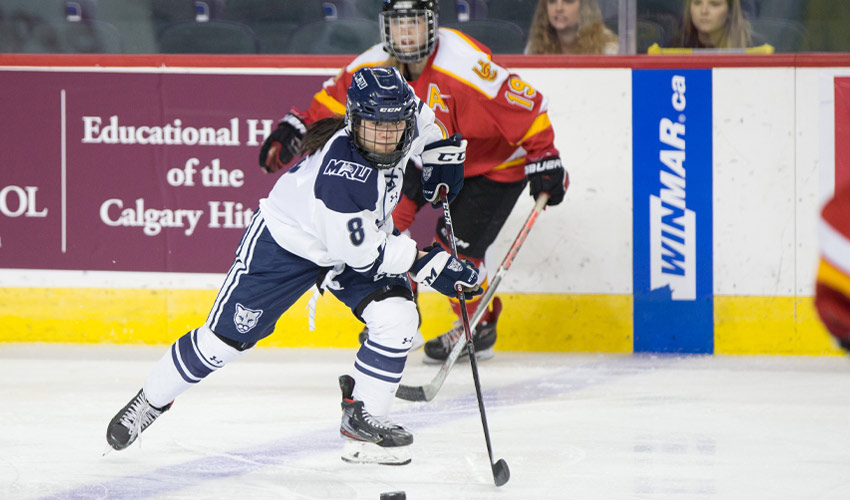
570 27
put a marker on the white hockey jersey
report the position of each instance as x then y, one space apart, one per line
335 208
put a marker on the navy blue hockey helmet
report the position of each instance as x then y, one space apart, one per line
381 97
409 28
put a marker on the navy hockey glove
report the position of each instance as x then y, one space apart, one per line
442 166
439 270
283 143
547 176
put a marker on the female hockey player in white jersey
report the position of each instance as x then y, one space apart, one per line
327 222
505 120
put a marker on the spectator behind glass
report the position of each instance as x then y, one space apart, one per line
570 27
716 24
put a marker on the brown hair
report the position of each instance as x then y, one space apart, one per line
319 132
737 32
591 38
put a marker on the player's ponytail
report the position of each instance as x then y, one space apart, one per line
319 132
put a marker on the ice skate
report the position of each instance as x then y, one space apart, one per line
483 339
134 418
369 440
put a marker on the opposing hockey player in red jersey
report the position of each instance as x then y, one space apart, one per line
503 118
832 291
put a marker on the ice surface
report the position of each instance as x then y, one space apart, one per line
570 426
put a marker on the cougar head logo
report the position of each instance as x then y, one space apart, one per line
246 319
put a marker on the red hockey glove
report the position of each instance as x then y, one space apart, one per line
283 143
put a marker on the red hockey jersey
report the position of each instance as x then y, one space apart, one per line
503 118
832 292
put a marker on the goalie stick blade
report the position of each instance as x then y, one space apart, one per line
501 472
411 393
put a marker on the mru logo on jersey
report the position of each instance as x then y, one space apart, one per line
672 179
347 169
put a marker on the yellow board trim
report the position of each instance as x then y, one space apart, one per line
529 322
769 325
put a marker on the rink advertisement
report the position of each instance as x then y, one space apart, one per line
125 182
672 187
135 171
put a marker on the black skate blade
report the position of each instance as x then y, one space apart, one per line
501 473
411 393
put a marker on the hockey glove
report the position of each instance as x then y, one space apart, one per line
547 176
439 270
283 143
442 166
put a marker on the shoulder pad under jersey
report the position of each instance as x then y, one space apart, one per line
459 57
373 56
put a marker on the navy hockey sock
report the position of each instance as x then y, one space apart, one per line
189 360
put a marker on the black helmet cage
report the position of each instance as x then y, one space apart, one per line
381 95
414 11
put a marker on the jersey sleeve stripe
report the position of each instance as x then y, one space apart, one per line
540 124
325 99
509 164
835 247
832 277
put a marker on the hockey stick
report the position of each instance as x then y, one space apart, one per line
428 391
501 472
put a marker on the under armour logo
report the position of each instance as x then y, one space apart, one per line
214 360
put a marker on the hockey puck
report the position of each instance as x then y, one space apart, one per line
394 495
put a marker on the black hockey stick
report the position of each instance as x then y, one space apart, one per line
501 473
428 391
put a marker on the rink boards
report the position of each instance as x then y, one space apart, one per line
636 259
